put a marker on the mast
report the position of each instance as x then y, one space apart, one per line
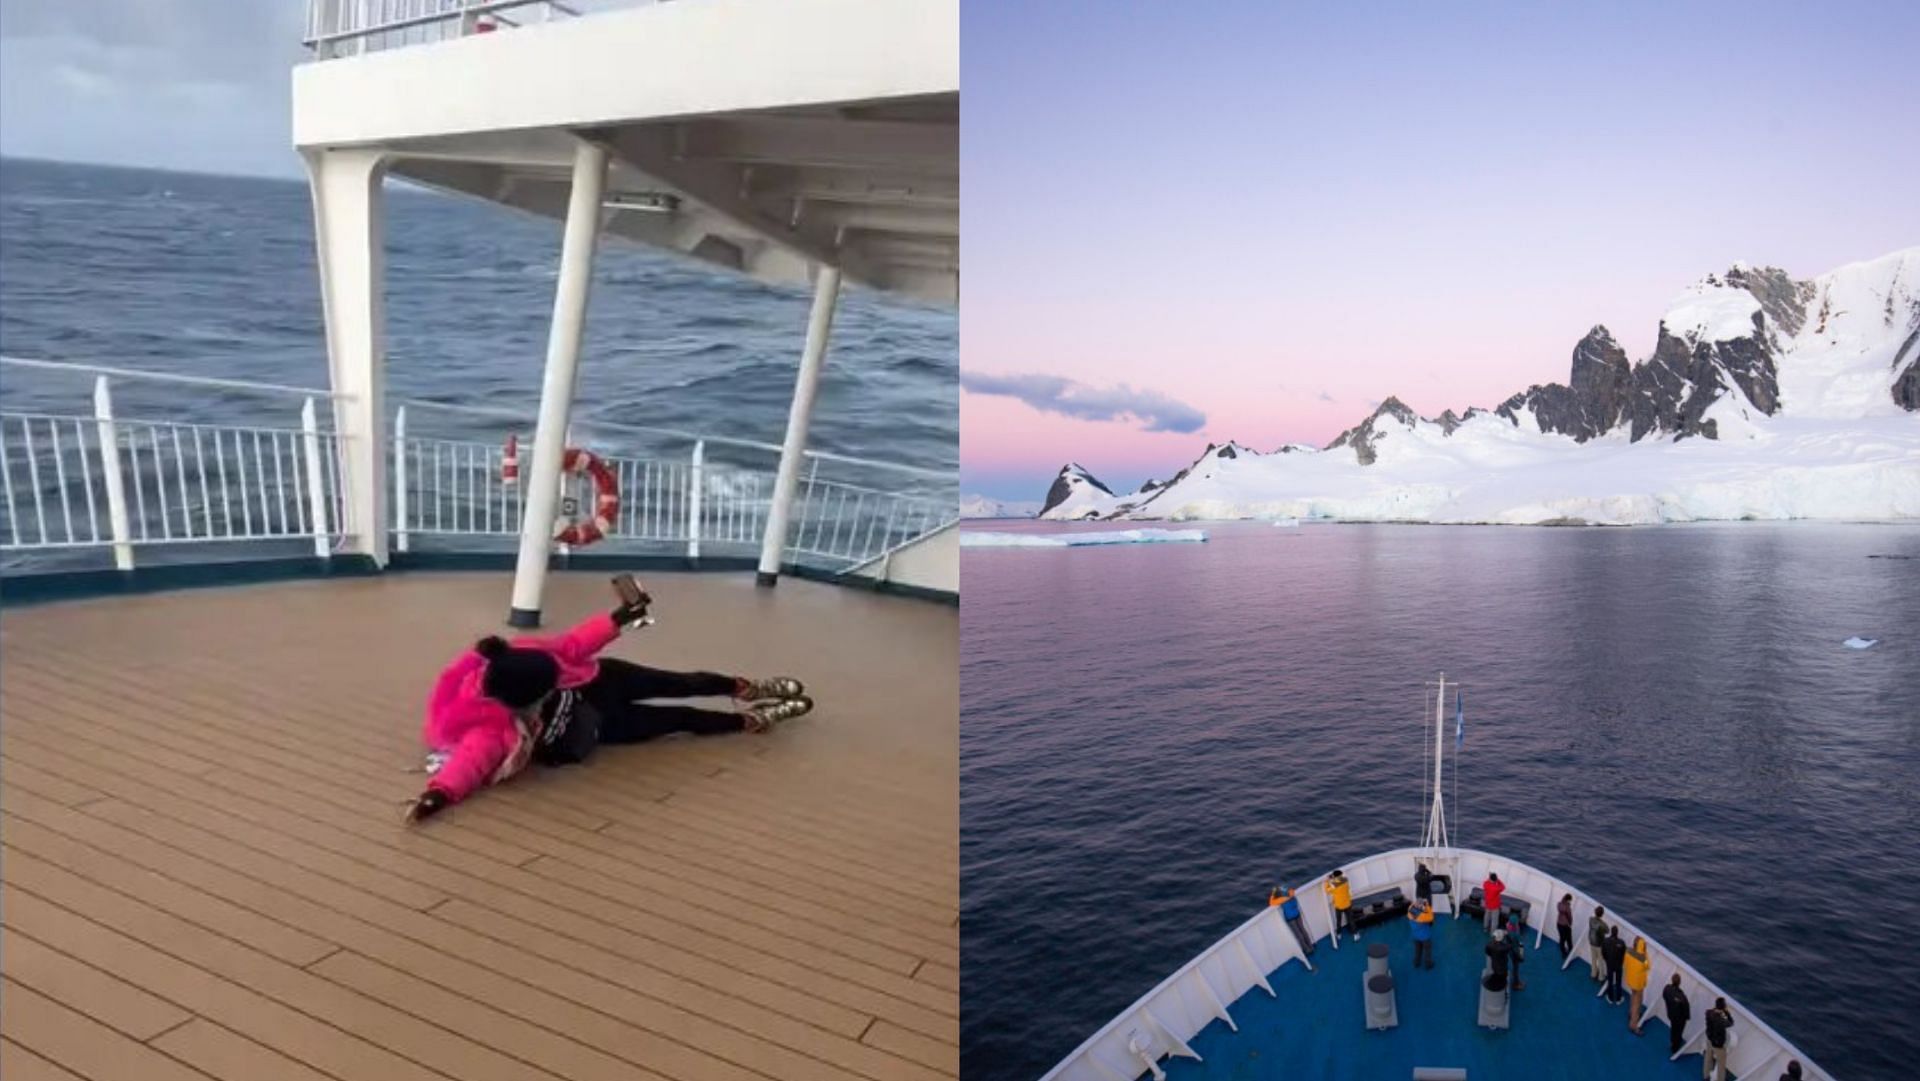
1436 831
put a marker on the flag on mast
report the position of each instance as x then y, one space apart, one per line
1459 718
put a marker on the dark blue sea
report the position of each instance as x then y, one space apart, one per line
1662 716
211 275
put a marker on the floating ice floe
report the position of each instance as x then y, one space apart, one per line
1857 642
1081 540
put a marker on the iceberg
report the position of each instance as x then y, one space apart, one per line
1081 540
1857 642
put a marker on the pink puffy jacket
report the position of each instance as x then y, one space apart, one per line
477 733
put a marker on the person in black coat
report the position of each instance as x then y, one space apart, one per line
1423 884
1713 1065
1614 952
1679 1012
1499 954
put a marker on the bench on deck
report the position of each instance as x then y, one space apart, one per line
1379 906
1476 905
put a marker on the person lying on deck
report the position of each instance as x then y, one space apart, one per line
552 700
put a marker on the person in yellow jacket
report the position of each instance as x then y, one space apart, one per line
1342 895
1636 965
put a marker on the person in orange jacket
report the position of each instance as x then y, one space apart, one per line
1288 903
1342 896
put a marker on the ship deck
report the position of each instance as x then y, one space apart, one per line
206 874
1315 1024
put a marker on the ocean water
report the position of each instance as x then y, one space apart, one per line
215 276
1666 717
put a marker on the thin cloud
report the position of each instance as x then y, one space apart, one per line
1152 410
1325 397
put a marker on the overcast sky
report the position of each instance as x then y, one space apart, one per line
199 85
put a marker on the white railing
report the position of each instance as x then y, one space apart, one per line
451 488
1165 1019
77 481
353 27
162 482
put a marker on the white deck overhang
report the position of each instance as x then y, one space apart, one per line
761 136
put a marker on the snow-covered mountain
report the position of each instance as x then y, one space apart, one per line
1076 493
1764 397
980 506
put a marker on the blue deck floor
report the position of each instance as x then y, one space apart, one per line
1315 1027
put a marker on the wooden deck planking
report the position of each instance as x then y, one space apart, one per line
199 797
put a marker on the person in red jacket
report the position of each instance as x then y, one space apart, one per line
1490 894
552 700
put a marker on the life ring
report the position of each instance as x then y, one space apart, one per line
575 462
606 499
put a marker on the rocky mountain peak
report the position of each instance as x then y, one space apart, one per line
1071 478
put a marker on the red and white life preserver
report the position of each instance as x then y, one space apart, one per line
575 462
606 499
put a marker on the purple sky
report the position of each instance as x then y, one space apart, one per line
1276 218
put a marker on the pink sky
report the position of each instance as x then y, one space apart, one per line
1251 211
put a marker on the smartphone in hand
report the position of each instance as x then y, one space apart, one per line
631 595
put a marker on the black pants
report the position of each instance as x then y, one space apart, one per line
1614 991
1423 953
621 690
1343 917
1676 1034
1566 940
1300 933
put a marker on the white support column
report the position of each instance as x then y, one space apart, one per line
349 233
826 294
400 478
110 473
541 476
696 484
316 480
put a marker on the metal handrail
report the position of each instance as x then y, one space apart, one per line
471 410
163 377
297 476
484 7
692 437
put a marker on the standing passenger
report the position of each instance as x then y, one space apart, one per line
1636 965
1514 930
1499 951
1423 885
1713 1062
1289 906
1563 923
1596 938
1679 1012
1490 895
1614 952
1342 894
1422 916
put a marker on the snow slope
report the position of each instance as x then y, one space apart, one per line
1839 445
980 506
971 539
